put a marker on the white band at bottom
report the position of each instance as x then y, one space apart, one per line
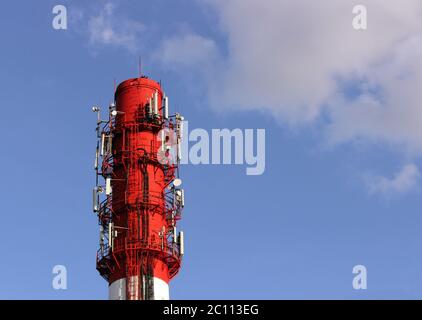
117 290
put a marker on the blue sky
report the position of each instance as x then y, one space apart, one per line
341 185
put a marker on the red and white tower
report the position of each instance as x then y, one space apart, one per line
138 198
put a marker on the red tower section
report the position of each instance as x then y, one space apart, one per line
140 200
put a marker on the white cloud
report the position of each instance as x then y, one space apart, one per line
107 28
187 50
304 63
287 57
394 114
403 181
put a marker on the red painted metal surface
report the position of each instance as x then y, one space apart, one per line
141 206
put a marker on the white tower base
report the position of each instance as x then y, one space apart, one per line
117 290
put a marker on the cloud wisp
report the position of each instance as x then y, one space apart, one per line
105 28
403 181
187 50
